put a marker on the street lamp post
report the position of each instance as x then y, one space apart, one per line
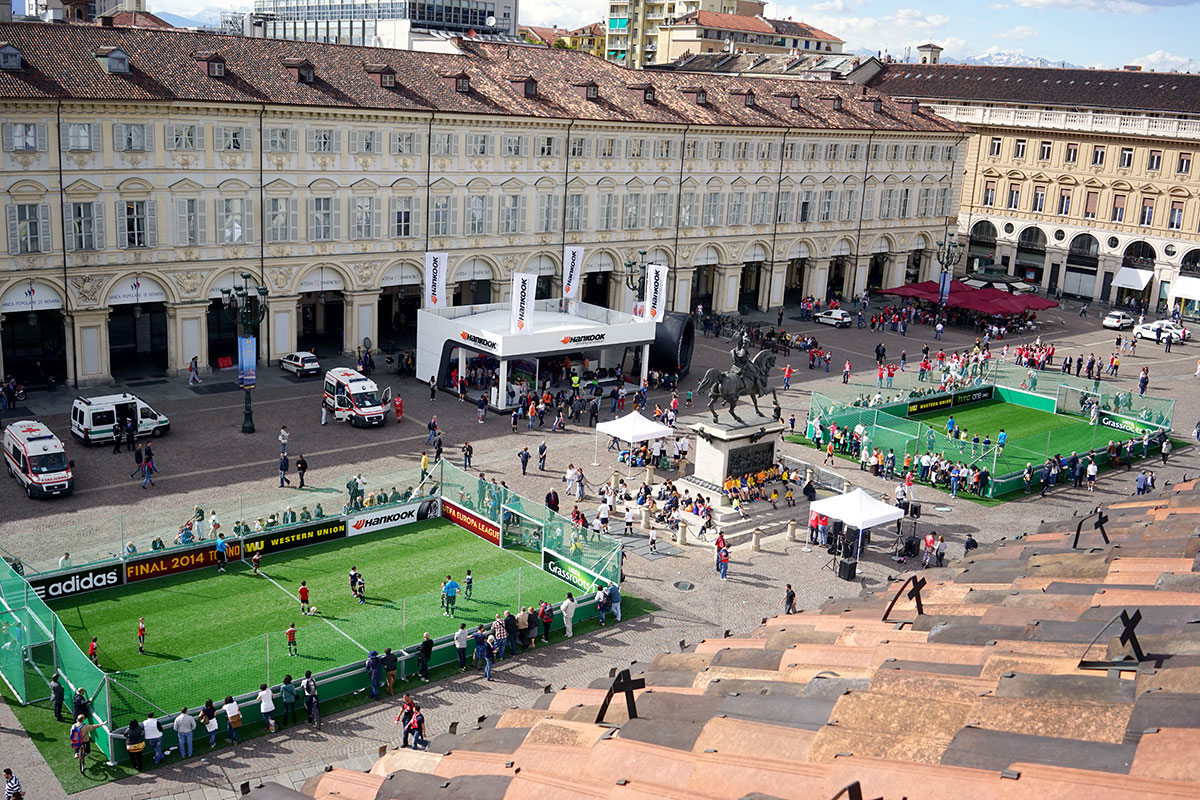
948 254
636 268
247 315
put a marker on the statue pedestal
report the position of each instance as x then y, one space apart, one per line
730 449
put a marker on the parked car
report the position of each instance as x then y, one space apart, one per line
1169 328
834 316
1118 320
300 364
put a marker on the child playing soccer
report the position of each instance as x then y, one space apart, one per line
141 635
445 608
360 590
468 584
293 650
94 652
304 598
354 576
255 560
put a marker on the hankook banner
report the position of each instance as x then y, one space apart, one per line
524 290
465 518
655 302
377 519
572 272
436 266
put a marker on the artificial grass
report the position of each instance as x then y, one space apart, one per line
210 634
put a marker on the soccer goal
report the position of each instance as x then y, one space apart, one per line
1076 402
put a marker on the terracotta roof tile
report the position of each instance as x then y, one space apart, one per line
789 28
725 22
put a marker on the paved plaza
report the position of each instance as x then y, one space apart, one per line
206 456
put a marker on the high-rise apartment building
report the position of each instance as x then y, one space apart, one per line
633 25
358 22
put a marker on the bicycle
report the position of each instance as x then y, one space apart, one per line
316 713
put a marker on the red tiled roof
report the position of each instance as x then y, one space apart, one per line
803 29
541 34
139 19
725 22
1050 86
591 29
58 63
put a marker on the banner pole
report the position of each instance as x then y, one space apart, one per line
520 574
403 620
267 640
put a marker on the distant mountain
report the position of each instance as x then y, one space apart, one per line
205 17
997 58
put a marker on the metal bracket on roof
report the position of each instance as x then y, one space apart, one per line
1011 774
1101 518
626 685
851 792
1129 623
918 583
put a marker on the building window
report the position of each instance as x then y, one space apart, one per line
281 140
131 138
1044 151
766 151
404 144
659 204
713 205
636 146
443 144
548 215
741 151
832 151
989 193
576 211
365 211
994 147
185 137
189 222
1118 208
1098 156
1147 215
887 202
1039 199
234 139
1184 166
852 152
1091 201
687 210
321 140
579 148
924 200
904 197
514 146
1019 148
478 216
442 216
462 85
479 145
134 223
512 213
784 213
23 137
1154 164
367 142
281 220
633 212
914 150
82 136
894 152
1126 160
810 151
931 152
1014 196
665 149
1175 220
608 212
1064 202
849 203
689 150
10 58
234 218
608 147
737 209
216 69
321 219
549 147
86 228
805 207
719 150
403 217
760 209
28 229
1071 155
943 201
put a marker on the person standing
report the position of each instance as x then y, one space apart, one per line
233 718
546 617
118 433
432 427
723 561
374 672
290 633
467 452
221 552
311 697
510 631
789 600
568 612
480 408
283 470
324 411
12 786
489 657
135 743
500 635
142 635
301 468
288 694
137 460
524 456
154 736
416 726
56 696
398 405
389 669
284 436
424 656
1166 448
266 706
460 646
147 471
185 728
542 455
194 371
614 600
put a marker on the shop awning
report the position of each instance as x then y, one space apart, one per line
1185 288
1130 278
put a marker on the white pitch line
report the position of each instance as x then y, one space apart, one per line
327 622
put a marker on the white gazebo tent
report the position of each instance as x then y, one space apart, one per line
632 428
857 509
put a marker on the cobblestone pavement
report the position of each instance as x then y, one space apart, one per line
219 459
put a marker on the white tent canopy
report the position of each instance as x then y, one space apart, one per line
633 427
1130 278
857 509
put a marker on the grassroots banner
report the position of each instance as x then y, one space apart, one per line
310 533
381 518
157 566
656 292
465 518
524 290
1127 425
436 265
564 568
68 584
247 361
572 271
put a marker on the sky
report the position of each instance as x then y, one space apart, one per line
1157 34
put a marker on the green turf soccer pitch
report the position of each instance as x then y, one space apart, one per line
1043 434
210 634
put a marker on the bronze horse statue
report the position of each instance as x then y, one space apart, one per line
752 382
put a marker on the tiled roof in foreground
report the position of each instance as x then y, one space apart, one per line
60 62
1013 683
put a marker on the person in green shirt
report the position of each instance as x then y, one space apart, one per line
305 516
318 512
394 497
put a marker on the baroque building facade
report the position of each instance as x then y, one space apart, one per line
144 171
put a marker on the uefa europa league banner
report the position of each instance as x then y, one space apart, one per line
572 272
436 265
655 302
524 289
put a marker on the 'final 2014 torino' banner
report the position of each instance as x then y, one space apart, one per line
572 272
524 289
436 265
656 292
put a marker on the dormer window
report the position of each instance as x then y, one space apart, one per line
642 91
387 80
458 81
307 75
10 57
591 92
695 95
832 101
301 69
210 62
749 98
216 69
113 60
649 95
524 84
793 100
384 75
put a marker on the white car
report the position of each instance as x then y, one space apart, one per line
1118 320
1177 332
834 316
301 364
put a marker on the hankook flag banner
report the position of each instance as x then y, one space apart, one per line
655 303
572 272
436 265
524 287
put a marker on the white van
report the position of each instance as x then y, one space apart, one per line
93 419
354 397
36 458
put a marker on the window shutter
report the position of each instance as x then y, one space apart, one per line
181 223
120 131
149 137
201 223
584 222
376 218
293 141
41 138
248 221
98 225
169 137
416 144
8 137
393 230
524 145
337 219
312 217
556 148
94 136
119 216
352 227
69 227
45 229
14 244
64 140
355 142
200 136
293 222
310 141
247 138
151 223
336 141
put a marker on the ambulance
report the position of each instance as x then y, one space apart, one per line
354 397
95 419
36 458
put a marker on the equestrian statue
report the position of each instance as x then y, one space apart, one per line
748 377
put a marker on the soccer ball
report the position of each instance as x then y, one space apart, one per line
312 611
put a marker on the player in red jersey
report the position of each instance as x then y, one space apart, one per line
293 650
94 652
141 635
303 597
255 560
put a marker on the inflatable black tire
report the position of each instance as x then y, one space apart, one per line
674 340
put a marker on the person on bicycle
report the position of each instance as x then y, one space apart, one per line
81 739
311 701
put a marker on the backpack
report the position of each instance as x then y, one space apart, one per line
547 614
76 737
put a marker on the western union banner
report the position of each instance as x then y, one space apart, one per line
436 265
656 292
572 272
524 288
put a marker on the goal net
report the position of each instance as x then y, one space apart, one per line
1076 402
